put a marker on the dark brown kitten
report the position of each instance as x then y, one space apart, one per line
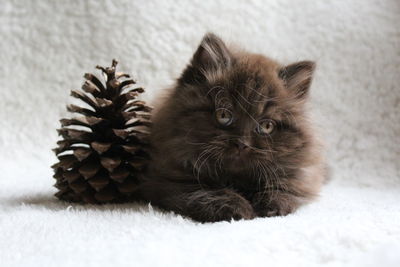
233 140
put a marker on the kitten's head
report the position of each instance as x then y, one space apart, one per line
235 111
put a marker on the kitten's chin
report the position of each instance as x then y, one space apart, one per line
238 163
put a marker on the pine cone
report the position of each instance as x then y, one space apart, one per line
103 152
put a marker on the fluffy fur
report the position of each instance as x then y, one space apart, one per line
213 172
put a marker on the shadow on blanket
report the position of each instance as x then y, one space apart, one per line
40 201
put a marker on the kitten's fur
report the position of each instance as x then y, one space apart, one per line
213 173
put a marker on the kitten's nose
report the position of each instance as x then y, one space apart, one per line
242 145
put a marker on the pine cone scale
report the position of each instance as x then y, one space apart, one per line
100 147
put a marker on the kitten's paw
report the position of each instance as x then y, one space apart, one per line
218 205
276 209
280 206
230 206
237 211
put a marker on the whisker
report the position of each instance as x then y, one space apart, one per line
251 117
255 91
251 104
212 88
202 161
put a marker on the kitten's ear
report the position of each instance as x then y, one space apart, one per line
298 77
211 55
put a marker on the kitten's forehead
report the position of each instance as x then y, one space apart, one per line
258 63
254 83
257 71
251 86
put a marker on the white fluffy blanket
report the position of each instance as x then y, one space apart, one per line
45 48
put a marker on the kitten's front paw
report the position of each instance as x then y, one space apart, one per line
276 209
280 206
237 211
230 206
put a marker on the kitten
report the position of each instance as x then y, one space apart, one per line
233 141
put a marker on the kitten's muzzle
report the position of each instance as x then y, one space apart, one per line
242 147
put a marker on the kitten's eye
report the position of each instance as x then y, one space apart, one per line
266 127
224 116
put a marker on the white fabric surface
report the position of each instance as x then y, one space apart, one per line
45 48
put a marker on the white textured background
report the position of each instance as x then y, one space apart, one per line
45 48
